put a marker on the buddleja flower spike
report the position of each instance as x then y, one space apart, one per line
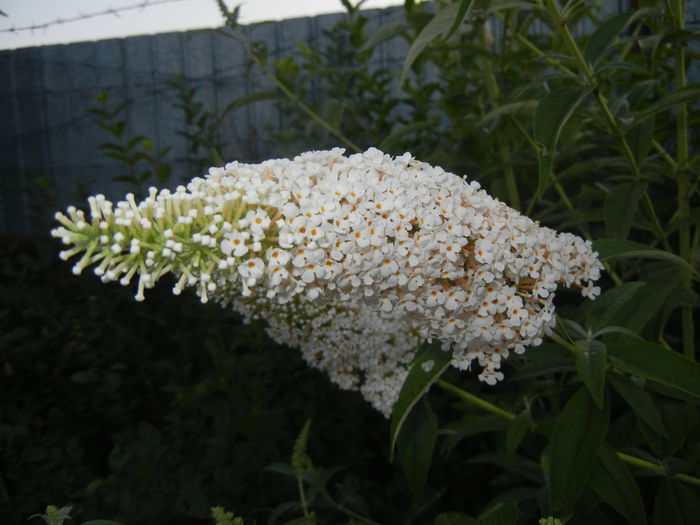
353 259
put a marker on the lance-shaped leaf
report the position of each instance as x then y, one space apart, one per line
500 515
384 33
604 36
614 483
656 363
640 138
102 522
443 24
591 363
676 504
416 443
689 93
552 112
578 435
516 431
427 366
611 248
605 307
639 401
248 99
511 108
389 142
454 518
620 206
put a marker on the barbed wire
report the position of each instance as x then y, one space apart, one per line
110 11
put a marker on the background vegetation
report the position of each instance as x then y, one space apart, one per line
155 412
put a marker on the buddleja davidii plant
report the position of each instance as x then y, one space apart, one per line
338 72
641 131
329 77
137 153
480 76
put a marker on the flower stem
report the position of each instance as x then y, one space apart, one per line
302 497
489 407
475 400
613 125
683 180
291 95
564 198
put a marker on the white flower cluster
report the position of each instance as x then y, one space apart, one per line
353 259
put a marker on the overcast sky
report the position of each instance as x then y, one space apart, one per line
158 17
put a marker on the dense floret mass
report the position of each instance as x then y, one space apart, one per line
353 259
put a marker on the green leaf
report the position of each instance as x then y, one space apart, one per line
693 217
511 108
603 37
454 518
654 362
553 111
101 522
620 207
500 515
333 110
639 137
457 431
648 305
605 307
490 6
248 99
384 33
440 26
690 93
591 363
389 142
516 431
639 401
427 366
676 504
551 114
612 248
578 435
675 420
465 6
614 483
519 465
416 443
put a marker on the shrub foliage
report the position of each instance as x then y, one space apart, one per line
158 411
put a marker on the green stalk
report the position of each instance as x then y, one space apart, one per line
345 510
638 462
502 148
475 400
683 189
613 125
565 199
489 407
662 151
532 47
291 95
683 181
511 183
302 497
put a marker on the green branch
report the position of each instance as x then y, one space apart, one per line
290 94
475 400
683 180
613 125
489 407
